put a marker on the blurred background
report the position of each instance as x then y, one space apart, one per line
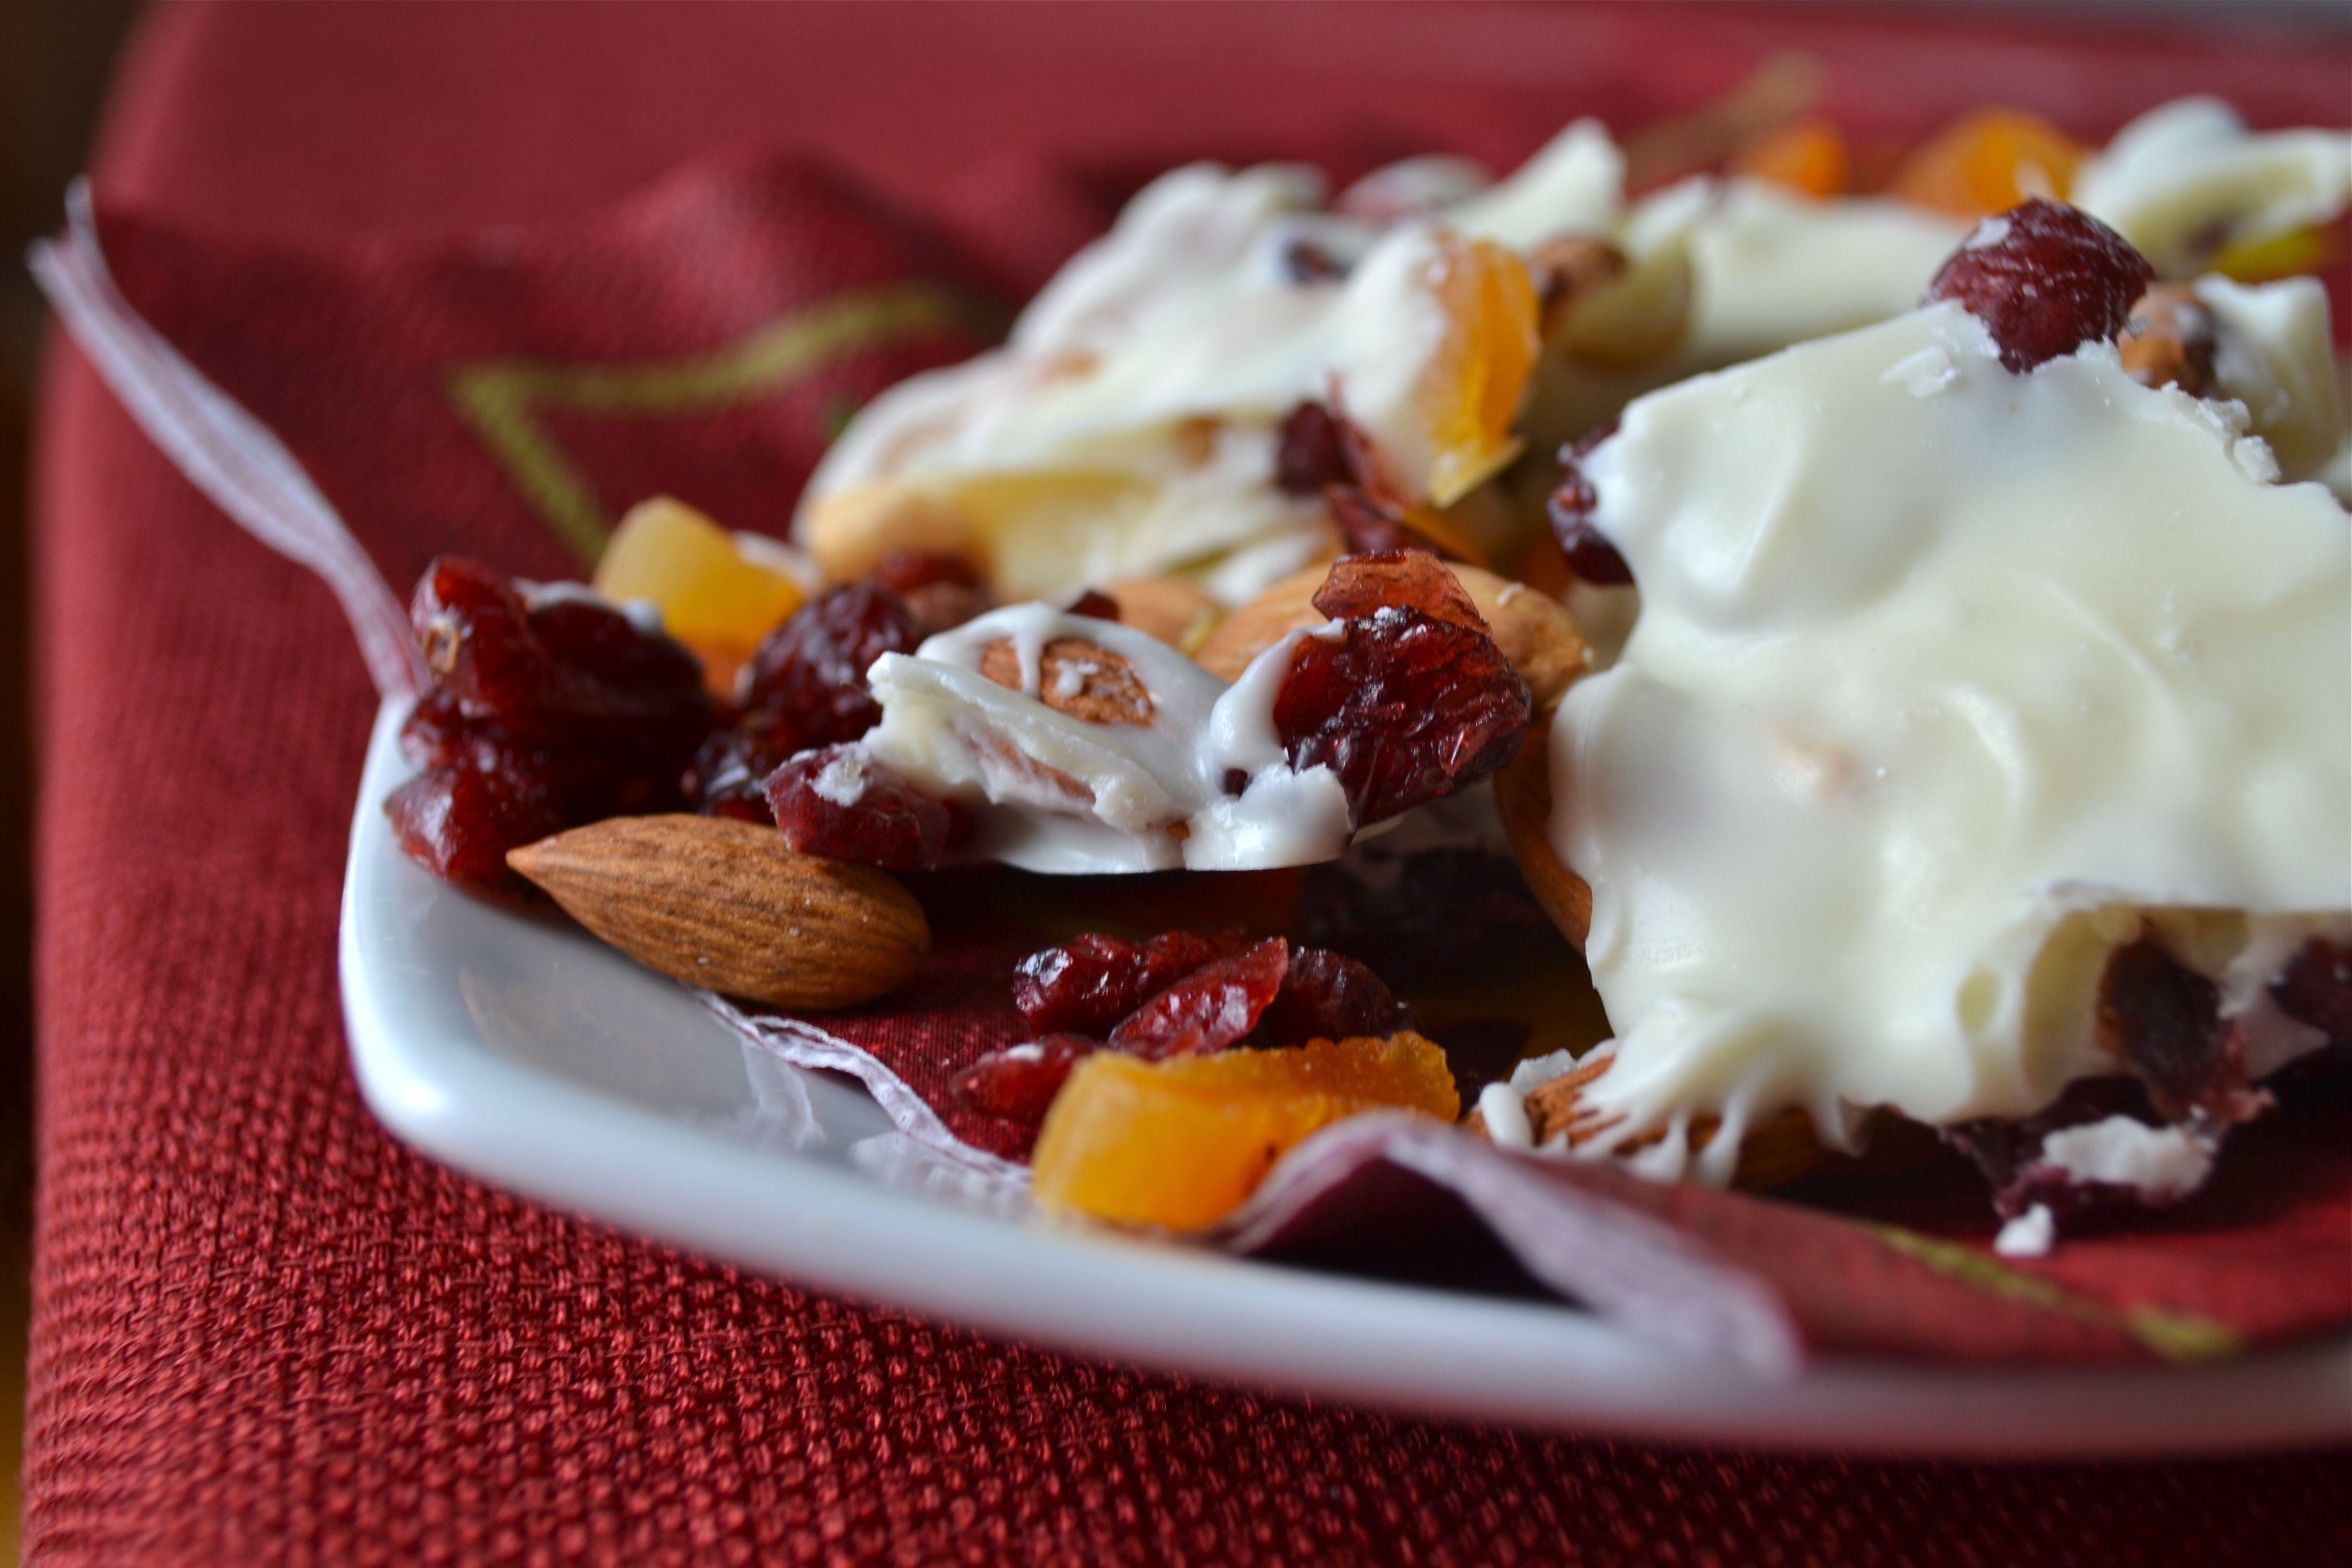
55 57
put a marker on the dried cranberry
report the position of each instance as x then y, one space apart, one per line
546 710
731 769
1368 526
1019 1082
434 734
1308 263
1589 554
2316 988
1090 983
1084 986
547 670
1325 997
1311 452
2044 278
458 822
1095 605
807 678
1404 705
2163 1020
1395 579
2009 1153
842 805
942 591
904 571
1215 1006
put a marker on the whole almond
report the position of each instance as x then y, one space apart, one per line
1284 607
723 904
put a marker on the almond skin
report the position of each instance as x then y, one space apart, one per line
1523 800
725 905
1083 679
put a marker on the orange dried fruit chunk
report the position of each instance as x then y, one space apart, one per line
1481 370
1987 161
1808 157
712 596
1181 1142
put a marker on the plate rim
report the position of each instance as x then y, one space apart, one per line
1250 1325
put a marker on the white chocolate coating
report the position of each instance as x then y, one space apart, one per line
1941 676
2188 178
1057 794
1128 427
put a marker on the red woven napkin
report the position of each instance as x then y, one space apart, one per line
706 338
264 1332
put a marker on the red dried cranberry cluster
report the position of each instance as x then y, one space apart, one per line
804 686
1179 993
2045 279
1319 451
1406 697
542 715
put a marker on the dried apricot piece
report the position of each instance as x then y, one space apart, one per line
1475 382
1988 162
1181 1142
713 597
1808 157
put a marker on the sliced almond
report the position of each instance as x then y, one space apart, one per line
1569 265
1780 1151
2170 340
850 531
1534 632
1523 800
723 904
1178 612
1284 607
1081 679
1634 319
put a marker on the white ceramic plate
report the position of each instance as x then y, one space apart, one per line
527 1053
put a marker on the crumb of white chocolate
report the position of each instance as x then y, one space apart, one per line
2030 1235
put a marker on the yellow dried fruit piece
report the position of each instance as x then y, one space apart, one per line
1481 371
1988 160
1180 1143
713 599
2292 254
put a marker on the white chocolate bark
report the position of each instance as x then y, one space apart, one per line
1941 676
2188 179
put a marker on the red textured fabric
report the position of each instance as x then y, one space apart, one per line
264 1332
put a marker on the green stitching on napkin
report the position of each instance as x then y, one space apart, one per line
500 399
2174 1336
